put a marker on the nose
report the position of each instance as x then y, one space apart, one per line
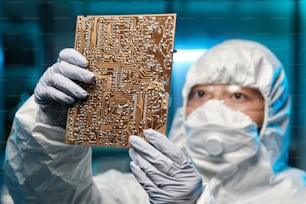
217 93
218 96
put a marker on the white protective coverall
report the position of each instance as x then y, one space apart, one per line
40 168
254 168
38 161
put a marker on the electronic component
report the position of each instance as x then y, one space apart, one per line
131 56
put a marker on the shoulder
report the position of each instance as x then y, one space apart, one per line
294 184
296 177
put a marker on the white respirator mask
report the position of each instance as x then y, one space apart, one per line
219 138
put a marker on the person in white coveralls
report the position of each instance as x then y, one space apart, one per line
228 143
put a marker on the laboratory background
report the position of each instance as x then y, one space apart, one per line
32 32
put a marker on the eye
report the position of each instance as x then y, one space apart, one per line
200 93
239 96
196 94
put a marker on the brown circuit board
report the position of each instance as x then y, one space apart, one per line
131 56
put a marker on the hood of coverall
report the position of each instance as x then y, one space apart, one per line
248 64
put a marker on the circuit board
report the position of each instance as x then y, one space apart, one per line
131 56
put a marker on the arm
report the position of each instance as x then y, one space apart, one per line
40 168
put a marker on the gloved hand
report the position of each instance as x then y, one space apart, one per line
163 170
57 88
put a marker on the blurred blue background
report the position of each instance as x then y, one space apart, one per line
32 32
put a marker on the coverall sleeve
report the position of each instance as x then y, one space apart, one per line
206 197
40 168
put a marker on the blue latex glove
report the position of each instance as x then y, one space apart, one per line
57 87
163 170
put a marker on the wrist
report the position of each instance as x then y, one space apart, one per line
53 114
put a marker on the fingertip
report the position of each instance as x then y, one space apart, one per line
131 152
87 76
148 130
133 139
83 62
150 133
82 95
135 168
91 77
132 164
73 56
